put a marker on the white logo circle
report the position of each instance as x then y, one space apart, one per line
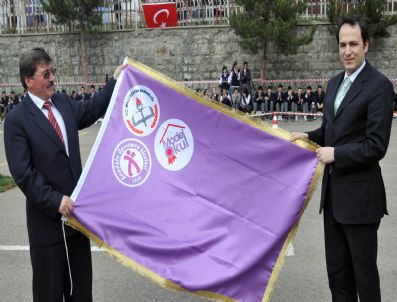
141 110
174 145
131 162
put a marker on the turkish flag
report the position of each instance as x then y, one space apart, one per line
160 14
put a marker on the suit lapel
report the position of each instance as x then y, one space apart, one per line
354 89
42 122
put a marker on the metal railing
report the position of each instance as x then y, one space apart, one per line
28 16
317 9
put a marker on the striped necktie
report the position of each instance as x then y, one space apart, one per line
52 120
341 93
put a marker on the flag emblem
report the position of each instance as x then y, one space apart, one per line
131 162
174 144
141 110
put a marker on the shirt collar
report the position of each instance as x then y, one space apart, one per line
38 101
354 75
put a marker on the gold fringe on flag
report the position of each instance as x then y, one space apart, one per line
143 271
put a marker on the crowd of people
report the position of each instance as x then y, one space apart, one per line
237 91
9 101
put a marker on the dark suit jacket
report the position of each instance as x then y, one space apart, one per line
360 132
38 160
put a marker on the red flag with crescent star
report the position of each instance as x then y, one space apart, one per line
160 15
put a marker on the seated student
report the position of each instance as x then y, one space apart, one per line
280 100
299 96
289 102
236 99
307 97
319 96
270 98
214 96
225 98
259 100
246 104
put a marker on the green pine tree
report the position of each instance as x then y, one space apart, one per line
264 21
371 11
81 13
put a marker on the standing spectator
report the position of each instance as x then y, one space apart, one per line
307 101
234 78
236 99
354 136
3 106
90 96
294 107
42 148
13 100
270 99
225 98
214 96
83 96
290 101
246 104
319 97
245 78
74 96
92 91
223 79
259 100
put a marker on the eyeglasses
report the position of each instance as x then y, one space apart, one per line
47 73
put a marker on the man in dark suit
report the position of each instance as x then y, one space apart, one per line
355 135
42 149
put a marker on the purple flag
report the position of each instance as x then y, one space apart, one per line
190 194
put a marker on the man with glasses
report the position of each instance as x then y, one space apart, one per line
42 149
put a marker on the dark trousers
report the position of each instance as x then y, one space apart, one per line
351 253
51 282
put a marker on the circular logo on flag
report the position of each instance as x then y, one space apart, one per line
131 162
174 145
141 110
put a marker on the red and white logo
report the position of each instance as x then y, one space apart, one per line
141 110
174 145
160 15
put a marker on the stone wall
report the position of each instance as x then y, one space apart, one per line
185 54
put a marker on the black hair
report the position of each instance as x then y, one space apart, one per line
29 61
353 21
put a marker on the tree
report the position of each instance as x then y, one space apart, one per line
82 14
371 11
264 21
